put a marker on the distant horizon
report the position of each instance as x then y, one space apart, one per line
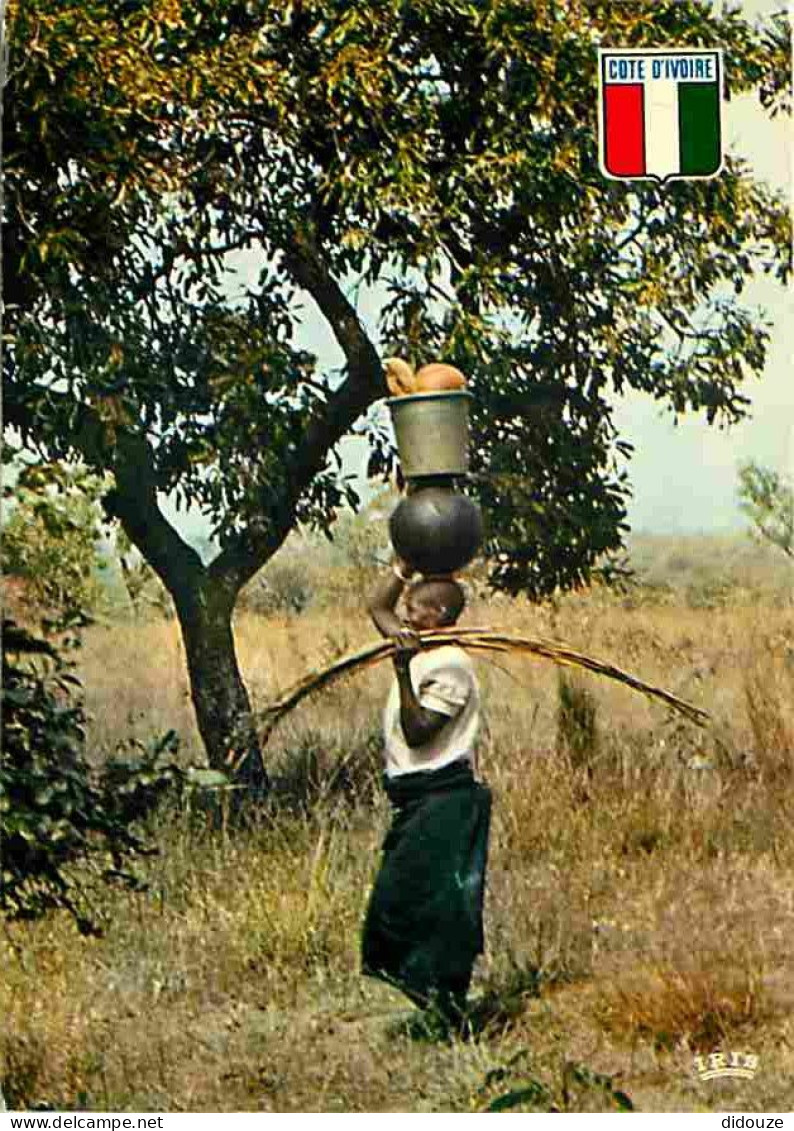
202 544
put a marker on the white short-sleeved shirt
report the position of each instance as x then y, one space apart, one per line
444 681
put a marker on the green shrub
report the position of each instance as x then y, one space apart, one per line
50 537
315 770
62 825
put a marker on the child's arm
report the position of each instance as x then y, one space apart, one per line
384 599
419 723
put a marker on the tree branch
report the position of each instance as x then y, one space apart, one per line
134 502
363 385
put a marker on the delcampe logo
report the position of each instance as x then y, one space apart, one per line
659 113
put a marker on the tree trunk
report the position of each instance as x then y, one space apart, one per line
204 598
205 595
223 708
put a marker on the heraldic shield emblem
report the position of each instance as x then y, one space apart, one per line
659 113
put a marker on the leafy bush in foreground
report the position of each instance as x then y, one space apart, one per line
55 812
51 530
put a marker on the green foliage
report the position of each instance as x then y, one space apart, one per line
50 535
314 770
581 1089
767 498
63 826
445 151
578 1078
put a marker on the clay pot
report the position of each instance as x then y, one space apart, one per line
436 530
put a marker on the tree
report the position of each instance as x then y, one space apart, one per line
767 498
444 151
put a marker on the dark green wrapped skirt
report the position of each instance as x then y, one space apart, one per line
423 928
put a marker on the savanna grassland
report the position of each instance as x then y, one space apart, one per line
640 904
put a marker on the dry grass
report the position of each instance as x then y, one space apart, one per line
669 1006
639 904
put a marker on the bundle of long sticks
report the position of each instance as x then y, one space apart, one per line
474 640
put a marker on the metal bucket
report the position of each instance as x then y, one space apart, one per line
432 432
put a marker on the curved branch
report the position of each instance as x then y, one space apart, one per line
363 385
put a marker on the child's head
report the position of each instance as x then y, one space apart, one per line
434 603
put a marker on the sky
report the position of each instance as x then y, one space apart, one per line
683 473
